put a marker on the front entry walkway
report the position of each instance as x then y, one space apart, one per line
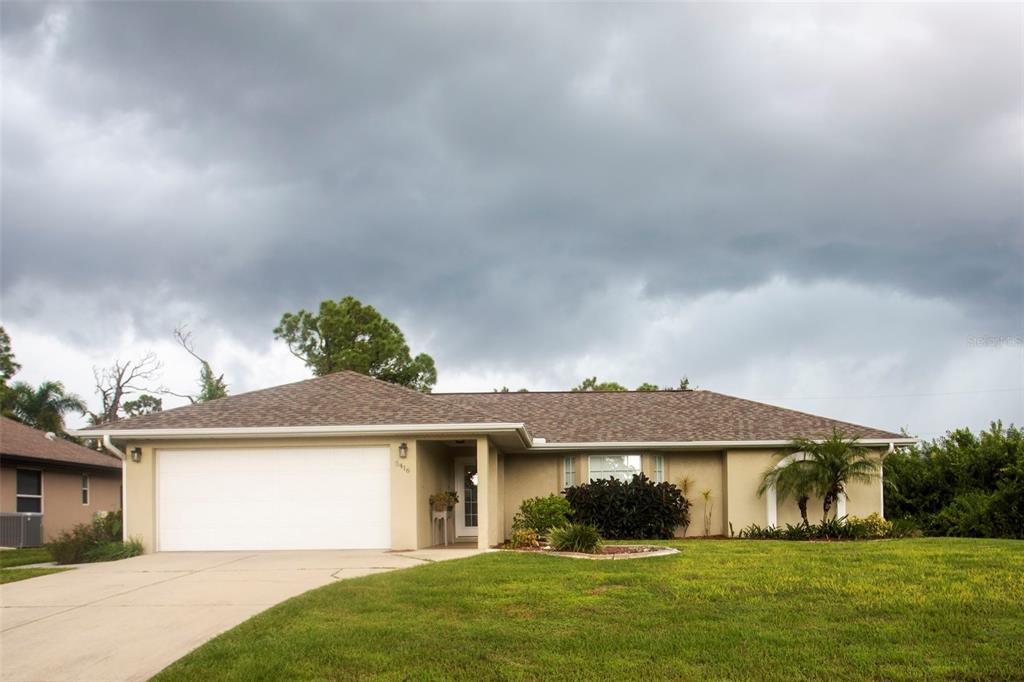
127 620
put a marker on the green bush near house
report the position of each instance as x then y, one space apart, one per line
541 514
524 538
96 541
575 537
962 484
873 527
635 509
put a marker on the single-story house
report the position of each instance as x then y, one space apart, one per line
347 461
42 474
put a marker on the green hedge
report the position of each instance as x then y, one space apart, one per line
638 508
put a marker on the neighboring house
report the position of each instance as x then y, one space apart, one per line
347 461
44 474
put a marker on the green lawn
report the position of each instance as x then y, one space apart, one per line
905 609
22 557
13 575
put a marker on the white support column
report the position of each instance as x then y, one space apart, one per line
483 492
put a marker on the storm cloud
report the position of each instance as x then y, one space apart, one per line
787 202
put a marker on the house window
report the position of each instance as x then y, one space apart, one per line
622 467
659 469
569 479
29 491
85 488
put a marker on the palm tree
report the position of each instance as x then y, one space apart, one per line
43 407
824 467
795 480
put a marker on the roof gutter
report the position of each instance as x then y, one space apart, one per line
308 431
537 445
702 445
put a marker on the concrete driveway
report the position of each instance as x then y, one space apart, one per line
127 620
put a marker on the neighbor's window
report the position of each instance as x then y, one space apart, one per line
85 488
29 491
622 467
569 479
659 469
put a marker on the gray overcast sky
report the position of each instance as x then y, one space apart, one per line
816 206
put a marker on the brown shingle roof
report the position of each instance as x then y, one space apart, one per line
18 440
340 399
351 399
654 416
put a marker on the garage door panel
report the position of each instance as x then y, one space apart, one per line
289 498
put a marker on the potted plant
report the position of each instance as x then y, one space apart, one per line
443 501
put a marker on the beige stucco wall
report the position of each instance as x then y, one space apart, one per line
744 472
505 481
527 476
435 469
62 495
705 469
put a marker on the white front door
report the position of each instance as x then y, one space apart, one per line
274 498
465 486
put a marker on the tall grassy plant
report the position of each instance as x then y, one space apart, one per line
576 537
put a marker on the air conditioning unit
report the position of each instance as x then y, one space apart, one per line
19 529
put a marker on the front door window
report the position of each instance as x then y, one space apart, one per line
469 486
467 510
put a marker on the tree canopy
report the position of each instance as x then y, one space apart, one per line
592 384
347 334
8 366
43 407
211 385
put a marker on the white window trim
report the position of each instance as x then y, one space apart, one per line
590 459
32 497
569 472
85 489
658 469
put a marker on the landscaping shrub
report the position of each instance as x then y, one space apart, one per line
576 537
114 551
961 484
96 541
524 538
541 514
870 528
638 508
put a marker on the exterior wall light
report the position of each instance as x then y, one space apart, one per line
403 450
136 455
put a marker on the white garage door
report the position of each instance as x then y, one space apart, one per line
262 498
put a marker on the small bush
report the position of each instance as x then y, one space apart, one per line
576 537
96 539
638 508
541 514
523 538
871 527
114 551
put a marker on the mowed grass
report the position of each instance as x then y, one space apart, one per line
25 556
927 609
13 575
